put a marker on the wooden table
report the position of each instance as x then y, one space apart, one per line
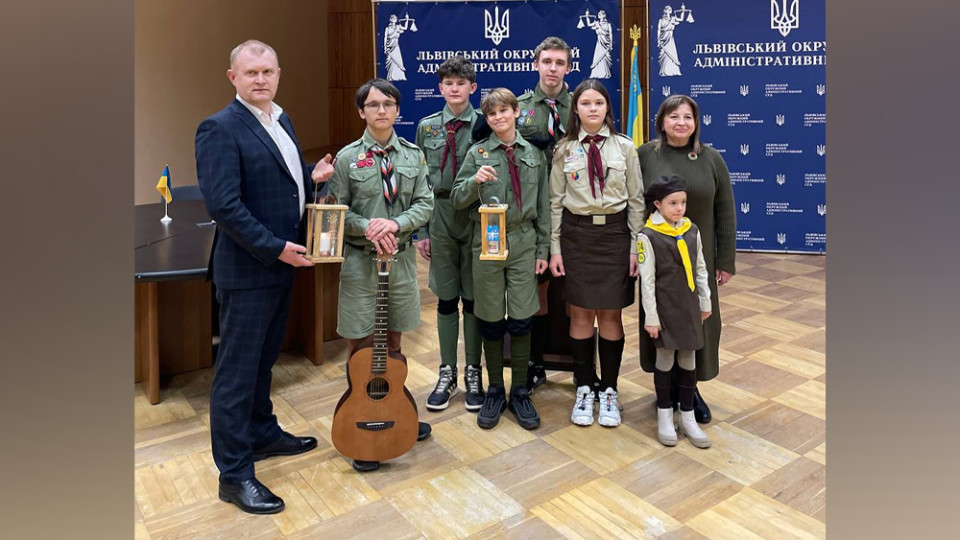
174 306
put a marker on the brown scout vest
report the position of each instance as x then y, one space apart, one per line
678 307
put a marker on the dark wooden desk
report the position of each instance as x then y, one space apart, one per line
174 305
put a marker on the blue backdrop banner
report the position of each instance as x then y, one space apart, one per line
757 68
414 38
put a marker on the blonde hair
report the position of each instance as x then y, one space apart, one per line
256 47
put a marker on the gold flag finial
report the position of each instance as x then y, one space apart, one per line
635 33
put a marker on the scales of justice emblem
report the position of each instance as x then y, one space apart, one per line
391 46
784 16
600 67
669 59
495 27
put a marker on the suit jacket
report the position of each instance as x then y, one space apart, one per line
251 195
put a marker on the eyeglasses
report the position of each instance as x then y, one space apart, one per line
375 105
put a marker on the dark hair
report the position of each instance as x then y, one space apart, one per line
382 85
573 124
459 67
553 43
671 104
496 98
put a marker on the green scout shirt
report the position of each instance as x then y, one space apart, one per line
432 139
534 112
533 178
359 186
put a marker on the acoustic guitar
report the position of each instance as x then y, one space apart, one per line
376 418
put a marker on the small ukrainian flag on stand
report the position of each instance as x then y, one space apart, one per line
165 189
635 113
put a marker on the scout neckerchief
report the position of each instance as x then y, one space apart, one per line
387 176
684 226
514 174
553 119
451 146
595 163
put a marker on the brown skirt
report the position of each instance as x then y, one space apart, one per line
596 259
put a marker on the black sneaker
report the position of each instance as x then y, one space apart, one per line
522 407
473 382
493 406
446 388
536 376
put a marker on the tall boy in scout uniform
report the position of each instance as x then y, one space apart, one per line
447 242
507 167
544 112
383 179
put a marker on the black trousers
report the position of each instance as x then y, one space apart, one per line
252 326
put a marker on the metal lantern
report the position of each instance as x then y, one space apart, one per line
325 232
493 226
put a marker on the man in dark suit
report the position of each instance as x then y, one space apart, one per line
255 184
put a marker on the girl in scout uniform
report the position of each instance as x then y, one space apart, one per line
382 178
596 210
507 169
676 301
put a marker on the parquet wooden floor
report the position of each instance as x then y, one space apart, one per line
764 477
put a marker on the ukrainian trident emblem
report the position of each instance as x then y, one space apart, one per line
822 209
781 179
821 89
496 28
744 89
665 90
821 149
744 149
785 17
780 120
781 238
745 207
707 119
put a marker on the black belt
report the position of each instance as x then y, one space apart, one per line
372 249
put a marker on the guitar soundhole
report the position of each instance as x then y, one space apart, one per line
378 388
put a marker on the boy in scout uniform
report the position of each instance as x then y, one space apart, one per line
544 113
447 242
383 179
508 169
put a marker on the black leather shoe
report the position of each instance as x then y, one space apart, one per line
286 445
701 412
423 431
251 496
365 466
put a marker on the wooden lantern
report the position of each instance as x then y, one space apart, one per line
493 227
325 232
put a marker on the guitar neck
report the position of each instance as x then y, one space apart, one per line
379 364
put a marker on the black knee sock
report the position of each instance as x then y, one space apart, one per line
538 340
582 352
687 380
662 381
611 353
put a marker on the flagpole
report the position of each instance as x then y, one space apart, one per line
166 218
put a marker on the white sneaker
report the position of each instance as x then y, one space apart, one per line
609 415
582 414
666 429
689 427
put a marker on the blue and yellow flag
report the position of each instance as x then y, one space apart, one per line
635 112
163 186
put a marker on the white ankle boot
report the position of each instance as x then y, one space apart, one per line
666 430
689 427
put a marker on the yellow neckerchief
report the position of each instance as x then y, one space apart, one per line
667 229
